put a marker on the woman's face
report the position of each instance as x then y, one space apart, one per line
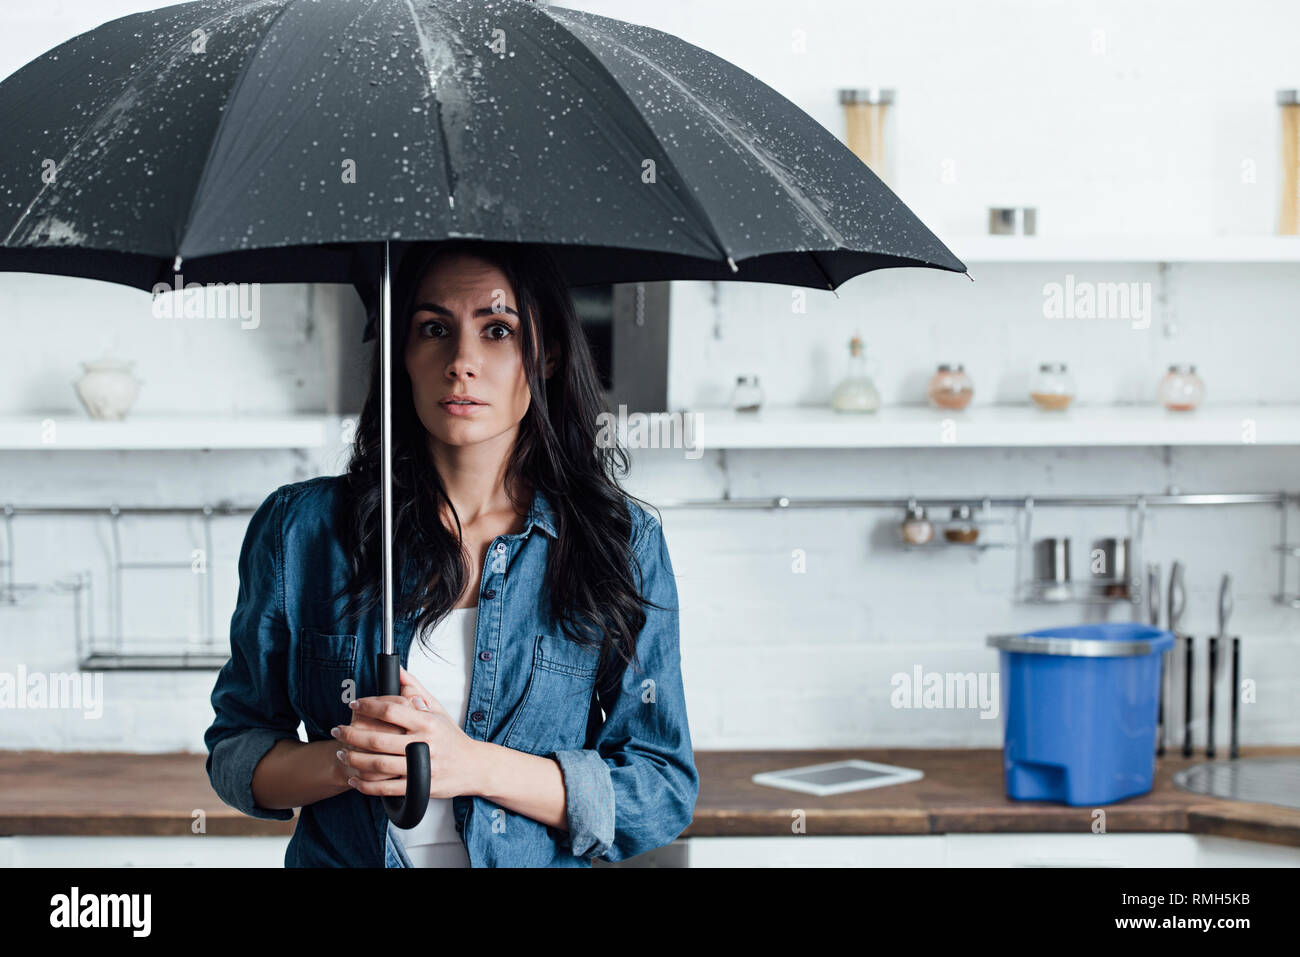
465 340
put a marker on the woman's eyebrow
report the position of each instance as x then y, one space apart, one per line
444 311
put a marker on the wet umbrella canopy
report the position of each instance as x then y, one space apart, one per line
309 140
228 134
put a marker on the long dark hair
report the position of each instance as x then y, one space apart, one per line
590 583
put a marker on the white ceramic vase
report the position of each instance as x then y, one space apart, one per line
107 388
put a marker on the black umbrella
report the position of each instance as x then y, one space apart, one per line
307 140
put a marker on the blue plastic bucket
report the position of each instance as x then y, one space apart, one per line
1079 708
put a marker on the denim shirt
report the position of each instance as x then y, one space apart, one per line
628 767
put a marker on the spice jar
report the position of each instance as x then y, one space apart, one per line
961 530
1053 387
916 528
747 396
950 388
1181 390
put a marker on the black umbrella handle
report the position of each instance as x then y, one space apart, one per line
406 812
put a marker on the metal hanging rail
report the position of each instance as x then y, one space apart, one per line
1027 503
1065 501
215 658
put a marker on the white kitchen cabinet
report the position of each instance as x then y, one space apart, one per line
200 850
906 850
989 850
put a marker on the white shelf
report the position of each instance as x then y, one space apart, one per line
75 431
775 427
1141 249
1002 426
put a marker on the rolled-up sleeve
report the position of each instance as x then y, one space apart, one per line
635 790
251 696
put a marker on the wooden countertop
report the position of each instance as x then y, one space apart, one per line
101 793
962 792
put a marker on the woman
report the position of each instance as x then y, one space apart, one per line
535 608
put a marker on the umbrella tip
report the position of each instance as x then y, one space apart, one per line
732 263
969 276
176 264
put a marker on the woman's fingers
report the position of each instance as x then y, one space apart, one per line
398 712
371 767
412 688
393 787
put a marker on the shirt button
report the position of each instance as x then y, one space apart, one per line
477 716
490 593
485 656
501 547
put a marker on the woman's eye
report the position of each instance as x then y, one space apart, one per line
431 328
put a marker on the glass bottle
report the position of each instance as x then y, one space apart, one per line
1181 390
856 392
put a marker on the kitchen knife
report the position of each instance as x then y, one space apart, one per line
1236 694
1153 613
1225 609
1176 603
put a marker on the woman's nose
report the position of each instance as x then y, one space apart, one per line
465 358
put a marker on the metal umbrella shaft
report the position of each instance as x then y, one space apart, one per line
404 812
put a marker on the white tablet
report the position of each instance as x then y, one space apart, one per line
837 777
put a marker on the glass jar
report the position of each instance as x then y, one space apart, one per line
1052 388
1181 390
916 528
865 127
747 396
1288 218
962 530
950 388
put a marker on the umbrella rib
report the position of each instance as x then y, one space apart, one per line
185 40
426 51
687 196
800 200
221 124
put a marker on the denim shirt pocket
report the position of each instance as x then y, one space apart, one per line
325 663
552 716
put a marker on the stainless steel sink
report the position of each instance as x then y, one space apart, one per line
1267 780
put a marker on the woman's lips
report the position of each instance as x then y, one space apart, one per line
460 408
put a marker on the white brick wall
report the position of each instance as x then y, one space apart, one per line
1146 139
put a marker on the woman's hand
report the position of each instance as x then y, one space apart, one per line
383 725
344 765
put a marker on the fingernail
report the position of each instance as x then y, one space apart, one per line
334 732
352 705
339 754
420 705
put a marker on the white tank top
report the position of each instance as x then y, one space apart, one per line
434 841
